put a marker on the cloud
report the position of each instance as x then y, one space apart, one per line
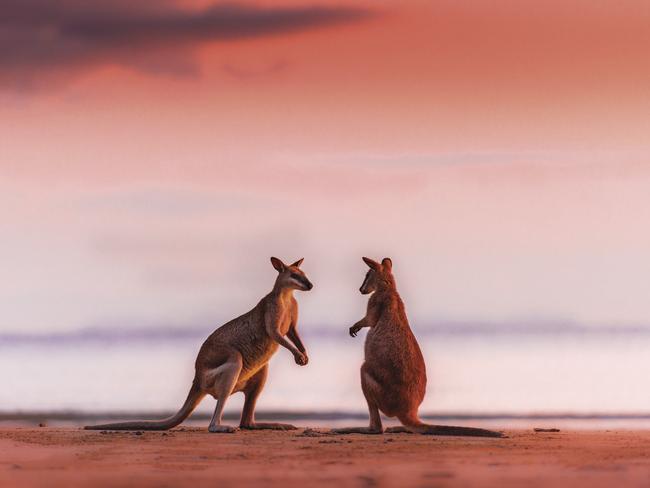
54 37
243 73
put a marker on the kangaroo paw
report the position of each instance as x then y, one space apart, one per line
222 429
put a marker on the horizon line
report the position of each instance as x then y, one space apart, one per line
450 327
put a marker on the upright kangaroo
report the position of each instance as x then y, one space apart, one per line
235 357
393 376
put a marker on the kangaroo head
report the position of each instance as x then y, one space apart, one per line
378 277
291 276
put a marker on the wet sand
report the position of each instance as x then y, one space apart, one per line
189 457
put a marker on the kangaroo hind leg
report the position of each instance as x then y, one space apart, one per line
252 391
225 379
372 391
411 424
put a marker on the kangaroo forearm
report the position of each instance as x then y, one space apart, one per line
277 337
295 338
364 322
300 345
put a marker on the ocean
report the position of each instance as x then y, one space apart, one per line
492 376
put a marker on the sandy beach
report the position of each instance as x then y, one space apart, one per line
191 457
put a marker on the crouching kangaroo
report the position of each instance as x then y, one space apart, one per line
393 376
235 357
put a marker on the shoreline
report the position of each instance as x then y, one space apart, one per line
574 421
278 415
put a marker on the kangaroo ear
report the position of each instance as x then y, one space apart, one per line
387 264
278 265
371 263
298 263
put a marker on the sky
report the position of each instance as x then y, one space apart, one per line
155 154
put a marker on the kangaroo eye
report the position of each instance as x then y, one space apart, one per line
296 277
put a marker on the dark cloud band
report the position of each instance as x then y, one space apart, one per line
52 35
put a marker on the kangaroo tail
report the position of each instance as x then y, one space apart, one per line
193 398
414 424
428 429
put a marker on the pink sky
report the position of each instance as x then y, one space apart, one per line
497 151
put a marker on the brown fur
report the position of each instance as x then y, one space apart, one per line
235 356
393 376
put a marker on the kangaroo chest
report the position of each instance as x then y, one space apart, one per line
284 320
258 352
281 312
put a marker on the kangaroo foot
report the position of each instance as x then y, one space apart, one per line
358 430
222 429
267 426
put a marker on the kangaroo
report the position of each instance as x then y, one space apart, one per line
393 376
235 357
